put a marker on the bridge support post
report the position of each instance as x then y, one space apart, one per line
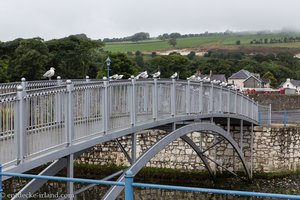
270 114
228 100
211 99
188 97
220 99
105 109
132 103
241 135
69 114
87 101
173 98
1 190
58 103
155 100
70 174
251 152
201 98
235 102
133 148
20 124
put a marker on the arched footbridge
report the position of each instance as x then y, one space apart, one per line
56 121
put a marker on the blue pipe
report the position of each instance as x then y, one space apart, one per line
58 178
128 185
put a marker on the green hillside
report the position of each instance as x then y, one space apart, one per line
207 42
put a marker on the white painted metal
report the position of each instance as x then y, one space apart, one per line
57 115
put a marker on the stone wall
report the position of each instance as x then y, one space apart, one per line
278 101
275 149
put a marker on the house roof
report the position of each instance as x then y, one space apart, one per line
242 74
295 82
220 77
252 76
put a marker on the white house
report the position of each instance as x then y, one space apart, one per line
291 84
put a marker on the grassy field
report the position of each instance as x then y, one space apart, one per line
205 42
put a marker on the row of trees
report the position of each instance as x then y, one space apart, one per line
77 56
275 40
72 57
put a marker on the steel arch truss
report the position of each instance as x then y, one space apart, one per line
179 133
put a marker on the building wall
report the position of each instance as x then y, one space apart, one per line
252 83
238 82
274 149
278 101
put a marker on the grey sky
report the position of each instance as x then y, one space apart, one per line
118 18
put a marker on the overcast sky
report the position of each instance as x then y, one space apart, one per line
99 19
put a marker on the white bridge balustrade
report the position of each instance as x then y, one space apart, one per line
52 116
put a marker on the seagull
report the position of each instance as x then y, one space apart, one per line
206 79
198 79
115 76
156 74
192 78
223 84
215 82
120 77
49 73
174 75
142 75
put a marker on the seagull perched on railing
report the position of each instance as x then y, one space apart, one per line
215 82
192 78
120 77
49 73
142 75
206 79
156 74
115 76
174 75
223 84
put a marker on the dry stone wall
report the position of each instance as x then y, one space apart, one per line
274 149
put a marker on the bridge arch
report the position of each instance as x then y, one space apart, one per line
179 133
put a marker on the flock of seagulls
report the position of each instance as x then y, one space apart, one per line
116 76
144 75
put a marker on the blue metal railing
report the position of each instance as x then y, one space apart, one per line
283 117
129 185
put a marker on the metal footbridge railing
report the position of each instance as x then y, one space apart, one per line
45 116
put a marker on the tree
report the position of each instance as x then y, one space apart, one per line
73 56
139 59
170 64
238 42
120 64
30 59
271 77
140 36
191 55
173 42
175 35
3 69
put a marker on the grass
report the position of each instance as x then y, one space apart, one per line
203 42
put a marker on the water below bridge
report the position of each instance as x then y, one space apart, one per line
284 185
